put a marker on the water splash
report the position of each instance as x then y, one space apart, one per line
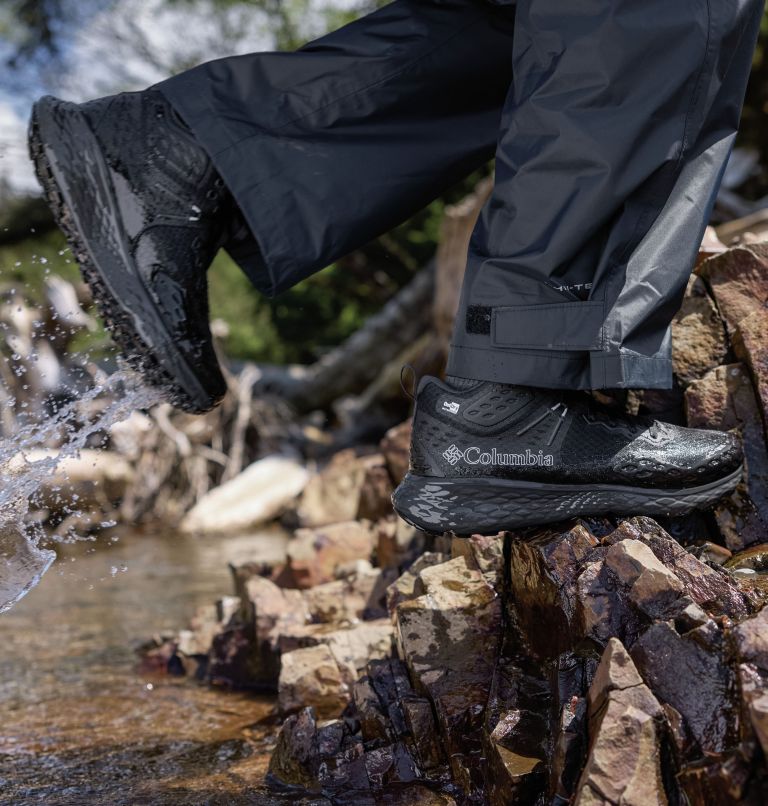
26 461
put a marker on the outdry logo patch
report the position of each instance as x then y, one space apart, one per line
475 456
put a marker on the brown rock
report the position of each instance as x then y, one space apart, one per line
375 498
724 399
408 585
652 586
698 336
359 596
396 447
311 677
739 282
336 493
749 344
543 572
691 673
398 543
448 638
314 554
623 766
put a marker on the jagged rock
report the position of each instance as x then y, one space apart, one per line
626 725
311 677
543 571
318 759
712 553
739 282
749 346
206 624
698 336
396 447
652 586
724 399
314 554
258 494
359 596
484 552
408 585
398 543
448 638
337 493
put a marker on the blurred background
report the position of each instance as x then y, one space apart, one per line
149 515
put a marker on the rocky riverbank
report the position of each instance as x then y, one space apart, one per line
609 661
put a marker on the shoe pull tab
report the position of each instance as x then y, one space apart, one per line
404 371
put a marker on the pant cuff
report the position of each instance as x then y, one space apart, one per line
551 370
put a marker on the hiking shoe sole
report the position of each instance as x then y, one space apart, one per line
78 187
488 506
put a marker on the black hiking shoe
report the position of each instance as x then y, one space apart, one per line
487 457
142 208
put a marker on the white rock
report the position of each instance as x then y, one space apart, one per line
257 495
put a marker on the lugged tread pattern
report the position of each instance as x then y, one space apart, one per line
116 320
480 506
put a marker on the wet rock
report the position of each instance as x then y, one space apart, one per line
543 572
336 493
311 677
448 638
739 282
396 447
626 726
652 586
315 759
408 585
691 673
484 552
725 399
711 588
749 346
206 624
315 554
712 553
258 494
698 335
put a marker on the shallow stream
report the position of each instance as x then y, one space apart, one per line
79 724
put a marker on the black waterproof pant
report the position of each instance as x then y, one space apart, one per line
611 122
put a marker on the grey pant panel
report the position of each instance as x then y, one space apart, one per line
609 147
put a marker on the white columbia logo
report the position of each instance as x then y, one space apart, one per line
452 407
476 456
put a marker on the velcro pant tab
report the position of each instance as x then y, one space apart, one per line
562 326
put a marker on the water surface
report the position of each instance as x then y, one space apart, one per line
80 725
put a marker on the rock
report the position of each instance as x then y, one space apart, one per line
361 596
739 282
311 677
91 477
258 494
691 673
314 554
749 346
206 624
543 571
316 759
626 730
448 637
398 543
652 586
712 553
375 499
348 487
396 447
698 336
711 588
724 399
408 585
354 648
484 552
